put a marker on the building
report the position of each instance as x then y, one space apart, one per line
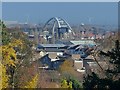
84 42
76 56
50 59
78 65
51 62
77 49
51 47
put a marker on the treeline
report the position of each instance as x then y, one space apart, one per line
15 53
111 75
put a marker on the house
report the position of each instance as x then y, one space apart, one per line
78 65
52 55
76 56
85 65
51 61
56 63
42 53
55 60
77 49
88 62
91 65
51 47
45 61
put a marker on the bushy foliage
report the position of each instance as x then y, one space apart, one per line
112 79
66 84
4 78
33 82
9 60
4 34
76 84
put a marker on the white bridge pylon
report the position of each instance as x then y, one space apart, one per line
60 22
58 28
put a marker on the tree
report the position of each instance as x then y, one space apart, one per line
75 84
91 81
9 61
67 66
70 74
66 84
112 79
5 35
16 52
2 25
114 60
3 77
72 80
33 82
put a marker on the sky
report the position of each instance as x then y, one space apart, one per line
60 0
100 13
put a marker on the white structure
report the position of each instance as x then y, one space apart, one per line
78 65
59 53
42 53
82 42
55 26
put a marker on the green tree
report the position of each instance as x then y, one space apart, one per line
112 79
2 25
16 52
76 84
5 34
33 82
66 84
114 59
5 37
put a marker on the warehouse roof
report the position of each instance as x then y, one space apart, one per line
51 45
87 42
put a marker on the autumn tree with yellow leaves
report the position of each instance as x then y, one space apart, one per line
32 83
3 77
9 60
69 74
65 84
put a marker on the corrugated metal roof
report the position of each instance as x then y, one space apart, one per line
90 57
52 45
63 42
83 42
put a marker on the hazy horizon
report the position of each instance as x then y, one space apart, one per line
99 13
